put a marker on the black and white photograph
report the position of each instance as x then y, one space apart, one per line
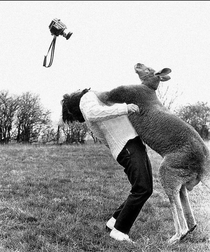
105 126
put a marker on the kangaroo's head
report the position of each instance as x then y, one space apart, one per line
150 77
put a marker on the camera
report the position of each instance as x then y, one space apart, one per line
57 28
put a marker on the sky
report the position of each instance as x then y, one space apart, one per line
109 38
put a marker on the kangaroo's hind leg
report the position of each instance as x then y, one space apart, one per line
172 183
187 209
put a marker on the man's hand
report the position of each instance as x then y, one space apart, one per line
132 108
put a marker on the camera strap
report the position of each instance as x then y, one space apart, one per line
52 48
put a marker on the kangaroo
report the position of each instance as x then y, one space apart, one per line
185 156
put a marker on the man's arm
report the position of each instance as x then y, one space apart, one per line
93 110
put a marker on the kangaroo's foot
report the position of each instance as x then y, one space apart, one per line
192 228
177 237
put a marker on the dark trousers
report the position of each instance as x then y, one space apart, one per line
137 166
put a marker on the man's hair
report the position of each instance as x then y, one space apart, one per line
70 106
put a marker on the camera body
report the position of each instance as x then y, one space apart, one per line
57 28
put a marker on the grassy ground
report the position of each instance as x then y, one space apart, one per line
58 199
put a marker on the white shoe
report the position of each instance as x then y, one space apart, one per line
119 236
110 223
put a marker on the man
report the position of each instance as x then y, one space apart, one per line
111 125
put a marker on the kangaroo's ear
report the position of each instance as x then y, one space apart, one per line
165 78
163 72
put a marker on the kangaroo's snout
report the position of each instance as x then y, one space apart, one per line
141 69
138 66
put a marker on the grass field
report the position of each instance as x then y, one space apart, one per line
58 199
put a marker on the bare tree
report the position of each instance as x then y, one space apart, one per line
8 108
74 132
30 118
167 94
47 135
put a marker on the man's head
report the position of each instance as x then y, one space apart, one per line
70 106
